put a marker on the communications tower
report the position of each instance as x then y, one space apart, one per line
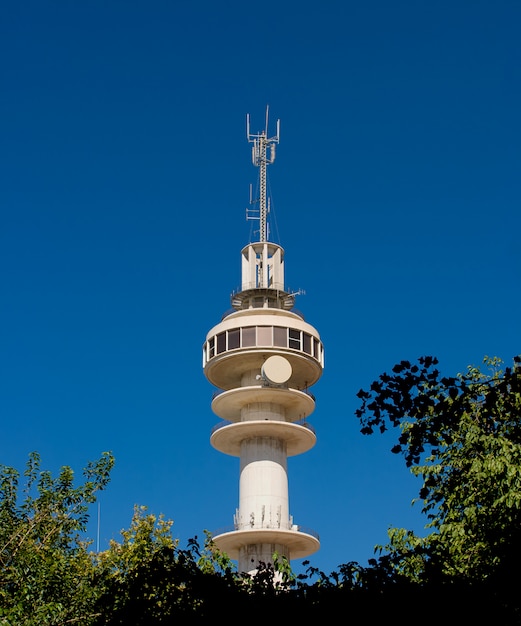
263 357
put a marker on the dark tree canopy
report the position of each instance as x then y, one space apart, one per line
462 435
430 407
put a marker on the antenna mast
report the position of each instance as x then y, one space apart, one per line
262 145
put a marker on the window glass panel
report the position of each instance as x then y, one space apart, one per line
264 334
294 338
221 343
280 336
307 342
248 336
233 338
211 348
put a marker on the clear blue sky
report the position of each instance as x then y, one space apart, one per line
124 178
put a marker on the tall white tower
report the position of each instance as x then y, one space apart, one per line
263 357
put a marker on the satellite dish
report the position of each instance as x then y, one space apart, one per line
276 370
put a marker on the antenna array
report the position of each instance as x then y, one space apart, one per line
262 155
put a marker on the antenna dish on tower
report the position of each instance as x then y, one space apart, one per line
262 155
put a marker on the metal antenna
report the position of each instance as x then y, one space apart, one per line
98 529
259 156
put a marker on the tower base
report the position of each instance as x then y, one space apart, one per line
291 543
250 556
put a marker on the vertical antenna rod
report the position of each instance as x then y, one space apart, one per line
259 156
97 533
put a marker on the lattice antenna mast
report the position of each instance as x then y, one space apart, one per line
262 155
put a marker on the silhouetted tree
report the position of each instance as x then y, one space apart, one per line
462 436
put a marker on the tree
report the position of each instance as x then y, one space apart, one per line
462 436
147 579
134 576
49 575
46 570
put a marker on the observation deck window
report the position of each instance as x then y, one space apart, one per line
264 336
294 338
280 336
307 343
234 339
248 336
221 343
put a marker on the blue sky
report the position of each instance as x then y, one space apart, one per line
124 179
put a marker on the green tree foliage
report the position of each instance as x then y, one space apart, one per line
49 576
462 436
45 568
146 579
133 575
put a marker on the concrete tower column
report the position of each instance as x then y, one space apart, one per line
263 484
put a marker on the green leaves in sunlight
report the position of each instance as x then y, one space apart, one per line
46 569
462 436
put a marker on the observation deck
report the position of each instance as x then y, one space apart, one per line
255 334
227 437
301 543
230 404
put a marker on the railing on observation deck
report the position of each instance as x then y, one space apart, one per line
224 423
218 392
230 311
296 529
